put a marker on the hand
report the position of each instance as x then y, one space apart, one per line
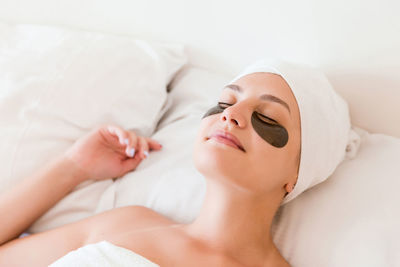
108 152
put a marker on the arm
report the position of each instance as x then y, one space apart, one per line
101 154
44 248
26 202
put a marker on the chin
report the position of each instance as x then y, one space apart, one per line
213 159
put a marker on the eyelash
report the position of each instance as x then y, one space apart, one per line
222 103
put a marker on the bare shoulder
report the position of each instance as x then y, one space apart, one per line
108 224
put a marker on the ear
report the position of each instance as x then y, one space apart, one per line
289 187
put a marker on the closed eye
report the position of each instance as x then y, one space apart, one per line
222 104
225 105
267 117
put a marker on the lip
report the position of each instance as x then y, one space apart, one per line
227 138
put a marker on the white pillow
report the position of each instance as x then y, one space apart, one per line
353 218
56 84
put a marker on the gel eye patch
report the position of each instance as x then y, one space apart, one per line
274 134
213 110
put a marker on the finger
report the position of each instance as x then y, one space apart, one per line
144 147
153 144
123 136
126 138
130 164
130 151
133 141
137 150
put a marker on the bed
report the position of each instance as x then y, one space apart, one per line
181 53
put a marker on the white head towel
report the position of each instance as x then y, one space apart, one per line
327 137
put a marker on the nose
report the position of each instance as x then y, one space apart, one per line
232 116
225 118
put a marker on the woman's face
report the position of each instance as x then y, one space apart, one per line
267 158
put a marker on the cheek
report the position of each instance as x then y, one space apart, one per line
267 163
202 133
274 165
205 128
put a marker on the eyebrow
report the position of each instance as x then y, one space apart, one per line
266 97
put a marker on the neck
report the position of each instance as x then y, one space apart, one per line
235 222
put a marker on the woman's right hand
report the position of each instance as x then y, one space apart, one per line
109 152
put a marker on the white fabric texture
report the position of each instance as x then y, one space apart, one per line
56 84
352 218
326 134
102 254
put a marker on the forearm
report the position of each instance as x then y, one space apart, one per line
30 199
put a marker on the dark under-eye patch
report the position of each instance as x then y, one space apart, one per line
274 134
214 110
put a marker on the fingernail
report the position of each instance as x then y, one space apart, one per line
126 141
132 152
146 153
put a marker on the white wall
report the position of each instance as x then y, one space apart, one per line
357 43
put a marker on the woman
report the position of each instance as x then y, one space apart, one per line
267 140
